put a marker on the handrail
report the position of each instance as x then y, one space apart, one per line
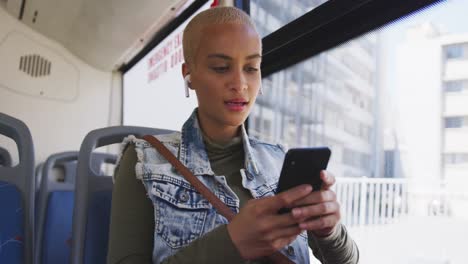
377 201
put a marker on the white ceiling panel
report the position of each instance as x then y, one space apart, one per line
100 32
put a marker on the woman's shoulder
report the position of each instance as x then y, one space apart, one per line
141 144
173 137
144 152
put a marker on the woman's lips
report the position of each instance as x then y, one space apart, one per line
236 105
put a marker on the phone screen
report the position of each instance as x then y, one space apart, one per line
303 166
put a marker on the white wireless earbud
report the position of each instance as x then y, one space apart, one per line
187 82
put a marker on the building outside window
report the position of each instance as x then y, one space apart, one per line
454 122
455 51
388 104
455 86
456 158
329 95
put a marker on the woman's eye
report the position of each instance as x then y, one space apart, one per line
220 69
252 69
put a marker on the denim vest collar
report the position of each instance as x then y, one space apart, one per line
193 153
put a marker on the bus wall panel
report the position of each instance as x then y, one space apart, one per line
76 98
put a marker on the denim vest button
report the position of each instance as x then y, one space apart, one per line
184 197
290 251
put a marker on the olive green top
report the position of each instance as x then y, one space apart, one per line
227 160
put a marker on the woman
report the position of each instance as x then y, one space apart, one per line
222 53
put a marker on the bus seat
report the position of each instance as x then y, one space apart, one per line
37 184
93 195
17 196
55 209
5 158
55 206
38 175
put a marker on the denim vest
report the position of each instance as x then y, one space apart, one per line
181 213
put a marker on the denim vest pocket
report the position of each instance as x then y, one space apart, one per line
180 211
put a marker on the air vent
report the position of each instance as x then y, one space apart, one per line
35 65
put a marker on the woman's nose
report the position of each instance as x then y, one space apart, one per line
238 81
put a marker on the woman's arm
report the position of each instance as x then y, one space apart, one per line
338 247
132 219
319 213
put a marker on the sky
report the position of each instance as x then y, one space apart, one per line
450 15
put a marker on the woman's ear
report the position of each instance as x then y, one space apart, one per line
185 69
187 80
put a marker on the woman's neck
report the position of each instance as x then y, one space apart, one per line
219 134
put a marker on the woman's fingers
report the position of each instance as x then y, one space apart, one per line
320 223
306 212
274 222
283 233
282 242
316 197
327 179
284 199
258 229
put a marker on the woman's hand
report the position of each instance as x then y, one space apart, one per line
258 230
319 212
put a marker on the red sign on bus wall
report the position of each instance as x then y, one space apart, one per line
166 57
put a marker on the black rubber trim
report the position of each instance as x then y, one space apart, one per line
328 25
23 4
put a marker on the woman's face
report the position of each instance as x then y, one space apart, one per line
226 74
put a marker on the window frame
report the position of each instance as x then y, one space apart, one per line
334 22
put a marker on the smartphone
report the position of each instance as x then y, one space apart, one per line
303 166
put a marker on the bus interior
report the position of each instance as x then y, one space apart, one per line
383 84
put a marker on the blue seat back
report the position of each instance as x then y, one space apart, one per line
17 196
98 211
55 209
93 195
55 206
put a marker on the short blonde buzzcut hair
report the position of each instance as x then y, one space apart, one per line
217 15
